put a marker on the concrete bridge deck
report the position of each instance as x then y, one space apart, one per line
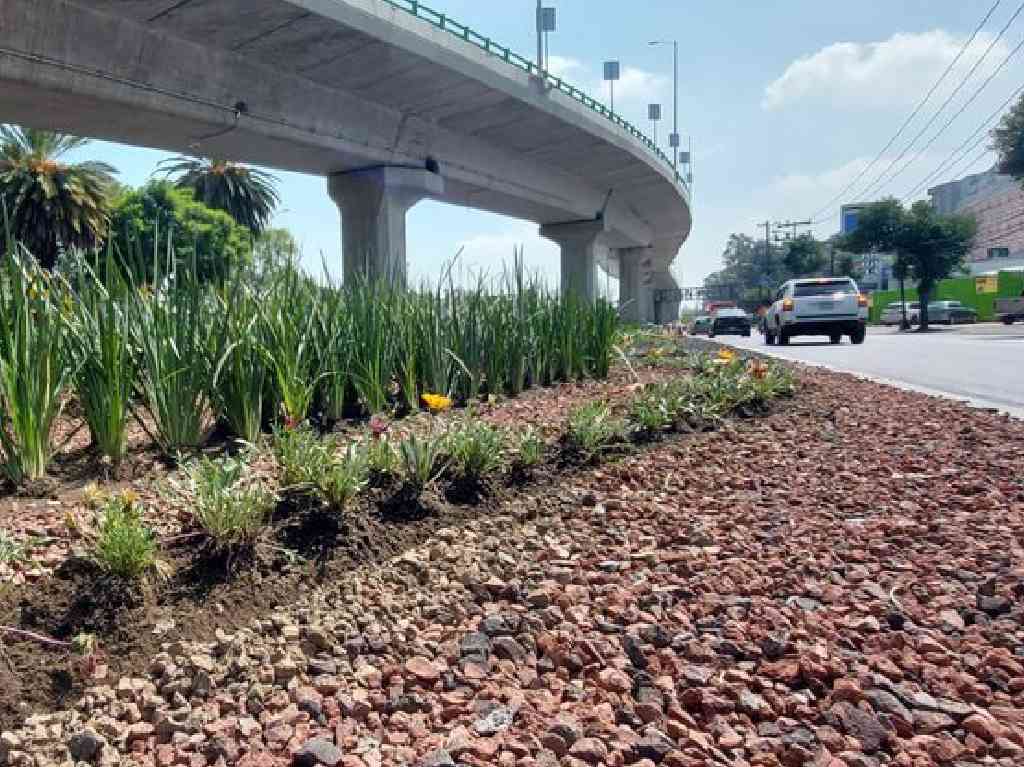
391 102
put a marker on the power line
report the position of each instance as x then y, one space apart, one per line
959 112
960 148
878 183
909 119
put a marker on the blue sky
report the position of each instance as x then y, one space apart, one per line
785 102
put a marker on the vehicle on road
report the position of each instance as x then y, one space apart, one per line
1009 310
729 320
820 306
701 325
950 313
892 314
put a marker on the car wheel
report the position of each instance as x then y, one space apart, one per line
835 338
769 338
1008 320
857 336
746 333
783 337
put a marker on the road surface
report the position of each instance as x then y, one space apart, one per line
983 364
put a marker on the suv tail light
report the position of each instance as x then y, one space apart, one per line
787 304
862 300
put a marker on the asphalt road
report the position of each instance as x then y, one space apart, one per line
983 364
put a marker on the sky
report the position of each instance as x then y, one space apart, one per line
786 104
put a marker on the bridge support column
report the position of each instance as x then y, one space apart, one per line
373 204
666 310
579 241
636 298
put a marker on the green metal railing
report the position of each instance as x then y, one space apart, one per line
461 31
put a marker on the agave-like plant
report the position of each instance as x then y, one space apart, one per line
246 194
52 205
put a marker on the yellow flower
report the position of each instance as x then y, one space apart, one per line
129 497
437 403
726 355
94 496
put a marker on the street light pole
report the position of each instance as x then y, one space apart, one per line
674 139
540 37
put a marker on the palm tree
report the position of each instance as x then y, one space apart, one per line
246 194
49 205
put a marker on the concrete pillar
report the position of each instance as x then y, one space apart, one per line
636 299
666 310
373 204
579 241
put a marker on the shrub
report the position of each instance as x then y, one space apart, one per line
381 458
301 454
124 545
422 460
649 410
475 448
345 478
530 450
11 549
227 507
593 428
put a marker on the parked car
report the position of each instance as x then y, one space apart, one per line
729 320
1009 310
893 313
822 306
950 312
701 325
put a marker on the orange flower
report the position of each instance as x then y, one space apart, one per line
436 403
757 369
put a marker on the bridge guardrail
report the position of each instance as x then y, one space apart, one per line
463 32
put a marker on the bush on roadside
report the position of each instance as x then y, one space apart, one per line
530 449
227 505
346 476
593 428
124 545
475 448
301 454
422 459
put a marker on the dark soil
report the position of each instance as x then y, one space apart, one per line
307 544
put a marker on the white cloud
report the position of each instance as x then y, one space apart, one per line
635 89
893 72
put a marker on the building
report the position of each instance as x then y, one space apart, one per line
997 203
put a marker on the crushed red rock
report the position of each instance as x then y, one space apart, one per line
840 583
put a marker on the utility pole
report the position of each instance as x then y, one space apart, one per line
767 254
540 37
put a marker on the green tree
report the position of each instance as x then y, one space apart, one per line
1008 138
51 205
928 246
274 249
246 194
803 256
156 217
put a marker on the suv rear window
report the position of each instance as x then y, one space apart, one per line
822 288
730 312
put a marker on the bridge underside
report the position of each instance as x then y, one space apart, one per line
332 87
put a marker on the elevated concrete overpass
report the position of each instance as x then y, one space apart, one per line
392 102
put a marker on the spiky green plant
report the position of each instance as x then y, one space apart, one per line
124 545
228 506
346 476
423 460
35 365
593 428
242 383
530 448
100 343
475 448
374 309
301 454
290 318
172 338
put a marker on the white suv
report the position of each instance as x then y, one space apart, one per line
820 306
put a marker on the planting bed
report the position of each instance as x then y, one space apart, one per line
837 581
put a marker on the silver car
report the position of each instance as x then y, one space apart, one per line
950 312
892 314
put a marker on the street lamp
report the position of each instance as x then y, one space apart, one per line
654 114
611 74
674 138
545 24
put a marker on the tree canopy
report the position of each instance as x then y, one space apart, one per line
1008 138
46 204
929 247
158 216
246 194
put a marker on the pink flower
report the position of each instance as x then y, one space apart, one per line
378 427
